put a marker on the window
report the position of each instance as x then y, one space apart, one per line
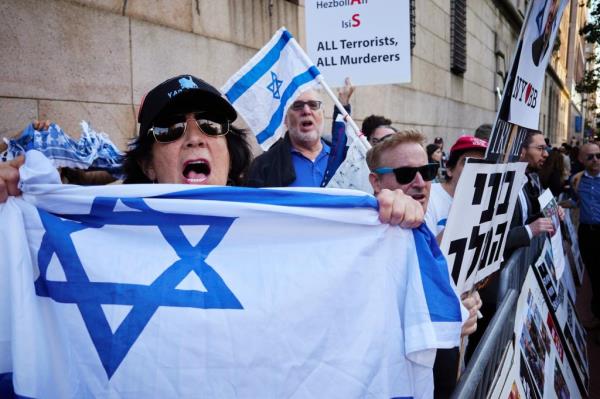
458 36
413 26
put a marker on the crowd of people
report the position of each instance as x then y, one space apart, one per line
186 135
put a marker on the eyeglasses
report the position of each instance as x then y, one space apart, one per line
312 104
173 132
591 156
406 174
540 148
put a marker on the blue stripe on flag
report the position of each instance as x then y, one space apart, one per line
310 74
442 302
254 74
275 197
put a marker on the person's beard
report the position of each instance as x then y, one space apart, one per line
306 137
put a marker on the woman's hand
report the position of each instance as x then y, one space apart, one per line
9 178
397 208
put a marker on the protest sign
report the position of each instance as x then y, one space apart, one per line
562 309
479 219
567 277
522 96
549 208
368 41
538 366
573 249
537 44
540 359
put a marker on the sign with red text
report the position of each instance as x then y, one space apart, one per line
522 95
537 45
368 41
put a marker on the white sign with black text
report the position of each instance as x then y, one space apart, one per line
479 219
368 41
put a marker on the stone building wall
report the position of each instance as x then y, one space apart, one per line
94 59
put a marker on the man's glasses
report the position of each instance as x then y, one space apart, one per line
173 132
591 156
312 104
540 148
406 174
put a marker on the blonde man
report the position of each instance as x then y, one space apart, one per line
400 161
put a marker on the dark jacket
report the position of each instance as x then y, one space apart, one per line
517 234
274 168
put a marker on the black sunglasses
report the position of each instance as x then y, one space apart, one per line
591 156
172 131
406 174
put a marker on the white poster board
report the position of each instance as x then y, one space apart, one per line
549 208
479 219
538 41
368 41
544 371
568 325
573 251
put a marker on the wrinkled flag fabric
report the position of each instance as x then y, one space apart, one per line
353 172
262 90
176 291
94 150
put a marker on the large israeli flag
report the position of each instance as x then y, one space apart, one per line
167 291
262 90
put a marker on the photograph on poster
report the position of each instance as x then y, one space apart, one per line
553 289
549 208
555 337
533 346
529 388
540 46
560 385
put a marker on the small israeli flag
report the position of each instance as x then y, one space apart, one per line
263 88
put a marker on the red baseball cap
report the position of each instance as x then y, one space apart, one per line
469 143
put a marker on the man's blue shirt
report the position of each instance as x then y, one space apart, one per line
589 199
309 173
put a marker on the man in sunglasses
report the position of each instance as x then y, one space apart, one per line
400 161
301 158
587 187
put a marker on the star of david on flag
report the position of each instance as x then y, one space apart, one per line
161 291
275 85
262 90
112 347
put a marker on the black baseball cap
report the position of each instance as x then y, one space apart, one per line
180 95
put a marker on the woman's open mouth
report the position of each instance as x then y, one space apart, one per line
196 171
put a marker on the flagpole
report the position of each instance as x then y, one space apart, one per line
361 137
